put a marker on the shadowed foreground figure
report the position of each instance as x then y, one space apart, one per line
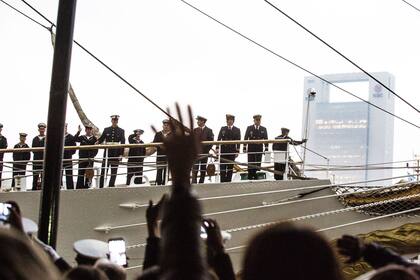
181 254
288 251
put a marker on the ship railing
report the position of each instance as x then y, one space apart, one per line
150 162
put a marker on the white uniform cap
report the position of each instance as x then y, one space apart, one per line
91 248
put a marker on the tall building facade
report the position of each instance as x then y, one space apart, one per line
351 132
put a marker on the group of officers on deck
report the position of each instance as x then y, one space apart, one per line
112 157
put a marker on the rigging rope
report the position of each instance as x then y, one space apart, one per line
103 64
249 39
411 5
342 55
296 65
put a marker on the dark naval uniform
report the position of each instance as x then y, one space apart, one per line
281 166
86 160
161 159
19 168
111 135
255 151
203 134
135 160
228 151
3 145
37 165
69 140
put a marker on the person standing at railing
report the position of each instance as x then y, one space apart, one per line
37 164
203 133
20 159
112 157
231 151
135 158
161 159
86 157
255 151
69 140
280 167
3 145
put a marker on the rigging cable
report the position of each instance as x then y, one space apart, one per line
295 64
342 55
411 5
23 14
100 61
226 26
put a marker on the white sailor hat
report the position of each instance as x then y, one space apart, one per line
115 117
23 134
201 118
42 125
258 116
29 226
91 248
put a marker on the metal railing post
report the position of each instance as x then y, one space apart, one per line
286 171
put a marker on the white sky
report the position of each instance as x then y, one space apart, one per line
172 53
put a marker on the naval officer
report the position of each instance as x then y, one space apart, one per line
20 159
231 151
255 151
3 145
86 157
38 161
202 133
111 135
135 158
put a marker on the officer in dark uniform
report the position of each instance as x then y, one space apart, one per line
37 164
161 159
69 140
3 145
20 159
135 158
86 157
230 152
111 135
255 151
280 166
203 133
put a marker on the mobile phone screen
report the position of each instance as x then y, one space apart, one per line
117 251
5 211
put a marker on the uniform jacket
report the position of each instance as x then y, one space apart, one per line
204 134
283 146
113 134
38 142
229 134
3 145
253 133
135 152
21 155
159 137
84 141
69 140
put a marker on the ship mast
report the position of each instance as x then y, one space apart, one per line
53 157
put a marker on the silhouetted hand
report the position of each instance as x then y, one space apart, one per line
15 220
214 236
351 247
153 214
181 149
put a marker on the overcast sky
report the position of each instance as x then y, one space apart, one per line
172 53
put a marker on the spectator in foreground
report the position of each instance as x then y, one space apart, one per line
20 259
396 272
374 254
85 272
288 251
113 271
